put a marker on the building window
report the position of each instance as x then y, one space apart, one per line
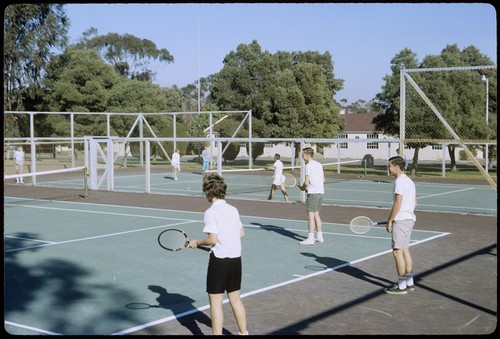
343 145
437 146
372 145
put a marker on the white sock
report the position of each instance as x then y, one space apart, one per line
310 236
409 279
319 235
402 282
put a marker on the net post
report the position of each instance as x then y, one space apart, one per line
85 183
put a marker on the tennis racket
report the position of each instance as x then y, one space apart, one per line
361 225
174 239
289 180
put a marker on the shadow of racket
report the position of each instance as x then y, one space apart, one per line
140 306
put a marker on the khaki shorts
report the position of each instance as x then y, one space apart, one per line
313 202
401 233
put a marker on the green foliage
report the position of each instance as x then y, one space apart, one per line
164 128
136 97
31 32
78 78
457 95
284 90
128 54
257 149
231 152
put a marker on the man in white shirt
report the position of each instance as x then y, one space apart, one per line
176 163
278 178
400 224
19 163
314 184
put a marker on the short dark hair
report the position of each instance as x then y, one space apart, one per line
398 161
277 156
214 186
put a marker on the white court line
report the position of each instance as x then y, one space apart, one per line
94 212
31 328
30 239
444 193
102 236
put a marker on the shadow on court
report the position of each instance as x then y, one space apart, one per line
365 276
279 230
180 305
325 262
55 286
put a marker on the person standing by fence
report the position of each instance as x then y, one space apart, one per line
19 163
206 158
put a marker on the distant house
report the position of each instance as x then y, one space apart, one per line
360 126
359 123
362 139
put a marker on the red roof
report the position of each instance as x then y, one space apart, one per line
361 122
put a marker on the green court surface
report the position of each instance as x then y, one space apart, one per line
431 196
75 268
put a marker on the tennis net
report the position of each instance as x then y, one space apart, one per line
255 180
65 178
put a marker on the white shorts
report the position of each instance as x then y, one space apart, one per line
176 166
278 180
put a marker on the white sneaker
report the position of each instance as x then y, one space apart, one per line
320 239
308 241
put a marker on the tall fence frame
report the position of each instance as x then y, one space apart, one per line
405 76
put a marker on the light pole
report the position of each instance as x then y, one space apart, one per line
485 78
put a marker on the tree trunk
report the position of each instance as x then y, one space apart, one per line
453 164
414 164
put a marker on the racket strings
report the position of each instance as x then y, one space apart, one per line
360 225
172 239
289 180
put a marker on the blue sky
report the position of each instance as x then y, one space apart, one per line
362 38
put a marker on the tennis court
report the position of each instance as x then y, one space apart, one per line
92 266
376 192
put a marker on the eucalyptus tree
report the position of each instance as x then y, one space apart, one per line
31 32
129 55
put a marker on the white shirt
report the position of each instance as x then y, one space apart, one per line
176 159
278 172
316 178
405 187
224 220
206 155
18 156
